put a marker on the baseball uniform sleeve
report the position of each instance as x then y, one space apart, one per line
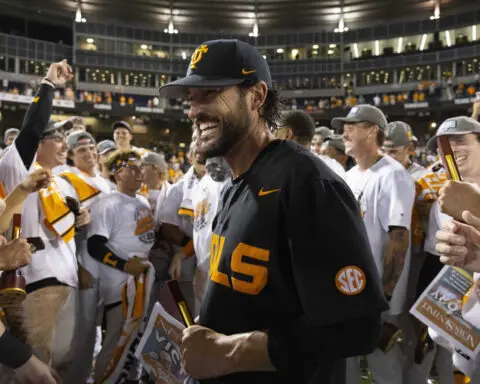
396 199
169 212
334 273
102 215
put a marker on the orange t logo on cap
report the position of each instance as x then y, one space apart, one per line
198 56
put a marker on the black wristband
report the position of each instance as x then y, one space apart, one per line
114 261
185 241
13 353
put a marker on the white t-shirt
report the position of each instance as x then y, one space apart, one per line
205 202
12 169
334 165
417 171
127 223
385 193
58 259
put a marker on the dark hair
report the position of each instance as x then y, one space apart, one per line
270 110
301 124
122 155
380 137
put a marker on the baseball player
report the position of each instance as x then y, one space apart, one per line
105 148
321 133
385 192
262 319
123 136
334 147
120 238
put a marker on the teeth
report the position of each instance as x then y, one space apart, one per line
204 126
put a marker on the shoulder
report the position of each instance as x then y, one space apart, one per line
143 200
107 201
390 169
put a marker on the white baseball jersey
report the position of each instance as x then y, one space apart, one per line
334 165
385 193
127 223
12 169
58 259
205 202
417 171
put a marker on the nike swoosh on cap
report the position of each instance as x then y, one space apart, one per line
245 72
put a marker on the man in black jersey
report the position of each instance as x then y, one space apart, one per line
293 287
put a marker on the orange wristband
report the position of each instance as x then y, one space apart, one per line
188 249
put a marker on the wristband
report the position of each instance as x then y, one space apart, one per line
114 261
188 249
13 353
185 241
49 82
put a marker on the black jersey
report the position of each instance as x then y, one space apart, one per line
289 253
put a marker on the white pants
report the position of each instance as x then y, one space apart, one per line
420 373
87 335
114 325
385 368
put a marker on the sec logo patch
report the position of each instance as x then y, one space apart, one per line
350 280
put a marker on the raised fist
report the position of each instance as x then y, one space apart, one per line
59 73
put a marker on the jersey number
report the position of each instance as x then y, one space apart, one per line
257 273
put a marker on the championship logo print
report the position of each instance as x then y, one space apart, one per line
350 280
201 211
198 56
144 228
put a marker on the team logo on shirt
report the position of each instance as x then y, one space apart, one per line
350 280
201 211
144 228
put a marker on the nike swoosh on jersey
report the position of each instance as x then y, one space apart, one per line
245 72
263 193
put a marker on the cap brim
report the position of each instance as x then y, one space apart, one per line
106 151
432 143
179 88
337 122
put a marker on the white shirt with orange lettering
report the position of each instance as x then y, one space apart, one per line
127 223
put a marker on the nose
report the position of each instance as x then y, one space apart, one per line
193 111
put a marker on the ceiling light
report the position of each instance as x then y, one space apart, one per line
84 20
171 29
184 55
355 50
449 40
315 46
90 40
330 51
423 42
78 15
332 46
143 46
377 48
400 45
280 50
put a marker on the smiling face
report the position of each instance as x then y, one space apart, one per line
85 156
401 154
53 151
466 149
122 137
356 136
130 177
221 119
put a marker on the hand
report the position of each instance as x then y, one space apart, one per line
35 371
14 255
456 197
175 269
85 278
83 218
205 352
135 266
3 241
459 244
59 73
36 180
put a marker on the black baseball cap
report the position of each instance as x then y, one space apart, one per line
218 64
121 124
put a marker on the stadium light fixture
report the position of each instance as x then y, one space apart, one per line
341 26
447 37
78 14
400 45
171 28
254 32
436 12
423 42
433 125
184 55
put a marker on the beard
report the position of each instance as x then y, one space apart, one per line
231 129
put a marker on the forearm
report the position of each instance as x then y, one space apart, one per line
34 124
13 353
97 248
288 349
13 204
395 253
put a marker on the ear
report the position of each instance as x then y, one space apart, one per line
259 95
290 135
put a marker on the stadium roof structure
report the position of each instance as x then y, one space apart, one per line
238 15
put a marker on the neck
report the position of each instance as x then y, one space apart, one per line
44 163
241 157
105 173
90 172
367 158
126 191
407 163
124 146
157 185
